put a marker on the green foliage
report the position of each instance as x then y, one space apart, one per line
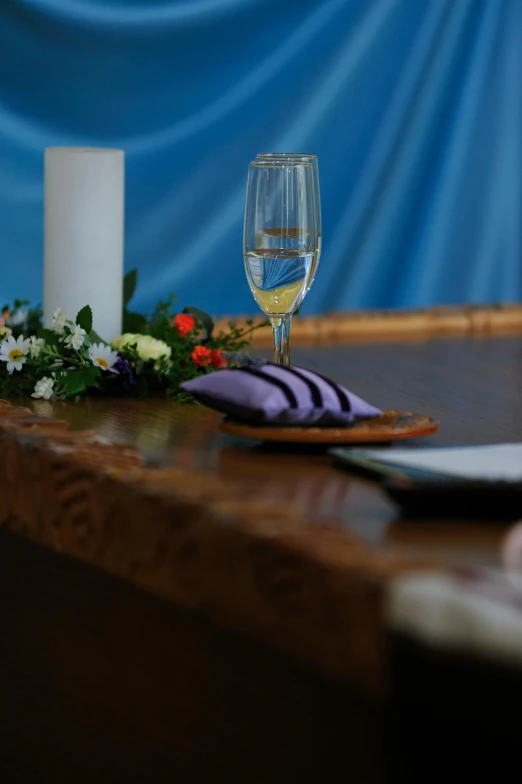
95 338
206 321
132 322
160 321
150 368
130 281
76 382
84 319
51 338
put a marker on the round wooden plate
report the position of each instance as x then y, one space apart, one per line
390 426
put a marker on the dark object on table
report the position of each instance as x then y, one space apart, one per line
446 497
429 495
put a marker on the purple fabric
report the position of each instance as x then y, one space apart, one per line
278 395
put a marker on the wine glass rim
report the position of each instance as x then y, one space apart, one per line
280 163
285 155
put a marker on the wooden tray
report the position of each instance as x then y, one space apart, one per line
390 426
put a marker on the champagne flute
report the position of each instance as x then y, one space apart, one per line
280 241
305 157
301 156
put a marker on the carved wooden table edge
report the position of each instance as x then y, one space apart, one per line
313 591
441 321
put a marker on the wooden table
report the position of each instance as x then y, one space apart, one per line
221 608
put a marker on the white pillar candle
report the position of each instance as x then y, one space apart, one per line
83 235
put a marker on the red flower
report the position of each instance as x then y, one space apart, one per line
201 356
184 323
216 358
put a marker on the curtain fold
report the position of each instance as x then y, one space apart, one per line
413 107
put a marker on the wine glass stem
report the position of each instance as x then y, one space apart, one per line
286 340
281 334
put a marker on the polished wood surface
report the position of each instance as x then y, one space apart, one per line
473 387
273 541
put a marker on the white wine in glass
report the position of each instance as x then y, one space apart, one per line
280 241
312 159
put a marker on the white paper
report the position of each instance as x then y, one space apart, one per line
83 230
497 462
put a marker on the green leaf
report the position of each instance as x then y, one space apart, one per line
90 375
133 322
206 320
95 338
51 338
130 281
76 383
84 318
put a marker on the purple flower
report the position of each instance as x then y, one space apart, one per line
125 371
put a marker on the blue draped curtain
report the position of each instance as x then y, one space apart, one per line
413 107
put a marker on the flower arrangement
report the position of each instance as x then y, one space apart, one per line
155 354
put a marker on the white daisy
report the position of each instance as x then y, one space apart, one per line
60 319
76 338
43 388
103 357
35 346
14 352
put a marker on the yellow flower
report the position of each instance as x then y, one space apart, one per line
147 348
151 349
128 339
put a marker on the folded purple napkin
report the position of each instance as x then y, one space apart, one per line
279 395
